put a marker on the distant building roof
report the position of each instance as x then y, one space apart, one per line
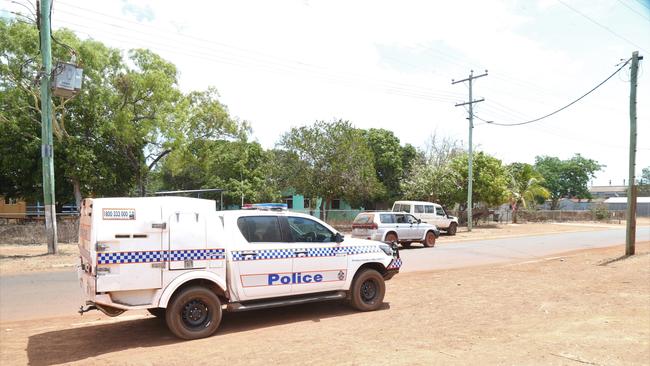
607 189
624 200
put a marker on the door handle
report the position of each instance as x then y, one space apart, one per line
248 254
304 252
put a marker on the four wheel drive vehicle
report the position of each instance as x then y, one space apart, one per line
429 212
185 262
391 227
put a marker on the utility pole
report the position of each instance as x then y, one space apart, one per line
47 149
470 176
630 222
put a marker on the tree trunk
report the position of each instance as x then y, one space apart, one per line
322 209
76 187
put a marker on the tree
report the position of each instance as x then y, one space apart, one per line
644 183
239 167
391 160
129 115
336 162
525 186
490 186
430 176
566 178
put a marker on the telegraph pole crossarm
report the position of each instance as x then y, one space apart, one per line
470 176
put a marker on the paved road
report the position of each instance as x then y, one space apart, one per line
469 253
50 294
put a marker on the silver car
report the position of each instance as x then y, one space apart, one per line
398 227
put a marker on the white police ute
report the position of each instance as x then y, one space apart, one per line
185 262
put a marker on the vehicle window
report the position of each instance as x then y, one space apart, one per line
411 218
306 230
260 229
363 219
440 211
419 209
429 209
402 208
401 219
387 218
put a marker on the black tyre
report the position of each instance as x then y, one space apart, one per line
157 312
429 239
194 313
452 229
367 291
391 237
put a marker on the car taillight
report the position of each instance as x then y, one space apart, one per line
365 226
374 226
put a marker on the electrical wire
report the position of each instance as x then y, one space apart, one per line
602 26
561 109
633 10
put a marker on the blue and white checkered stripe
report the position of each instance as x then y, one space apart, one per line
311 252
160 256
395 263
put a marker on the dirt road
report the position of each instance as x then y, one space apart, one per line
583 308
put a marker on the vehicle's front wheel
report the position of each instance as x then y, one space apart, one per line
452 229
194 313
429 239
367 290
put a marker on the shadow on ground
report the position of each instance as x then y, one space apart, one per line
69 345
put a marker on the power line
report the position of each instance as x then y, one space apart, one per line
633 10
281 62
602 26
561 109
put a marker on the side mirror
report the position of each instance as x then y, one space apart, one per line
419 221
338 238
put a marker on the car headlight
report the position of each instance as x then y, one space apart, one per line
386 249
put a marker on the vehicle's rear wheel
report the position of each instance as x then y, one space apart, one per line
391 237
194 313
452 229
157 312
429 239
367 290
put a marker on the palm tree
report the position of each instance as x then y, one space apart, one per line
525 186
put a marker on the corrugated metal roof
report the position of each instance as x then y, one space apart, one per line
624 200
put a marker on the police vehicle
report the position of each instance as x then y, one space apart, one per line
183 261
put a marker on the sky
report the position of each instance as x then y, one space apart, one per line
390 64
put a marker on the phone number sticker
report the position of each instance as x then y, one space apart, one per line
118 213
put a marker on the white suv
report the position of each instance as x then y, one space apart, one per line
429 212
394 227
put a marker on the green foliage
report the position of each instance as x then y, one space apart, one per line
333 160
391 160
525 185
600 212
566 178
239 167
643 190
129 114
431 177
490 185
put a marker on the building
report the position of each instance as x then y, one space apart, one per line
12 208
608 191
620 204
